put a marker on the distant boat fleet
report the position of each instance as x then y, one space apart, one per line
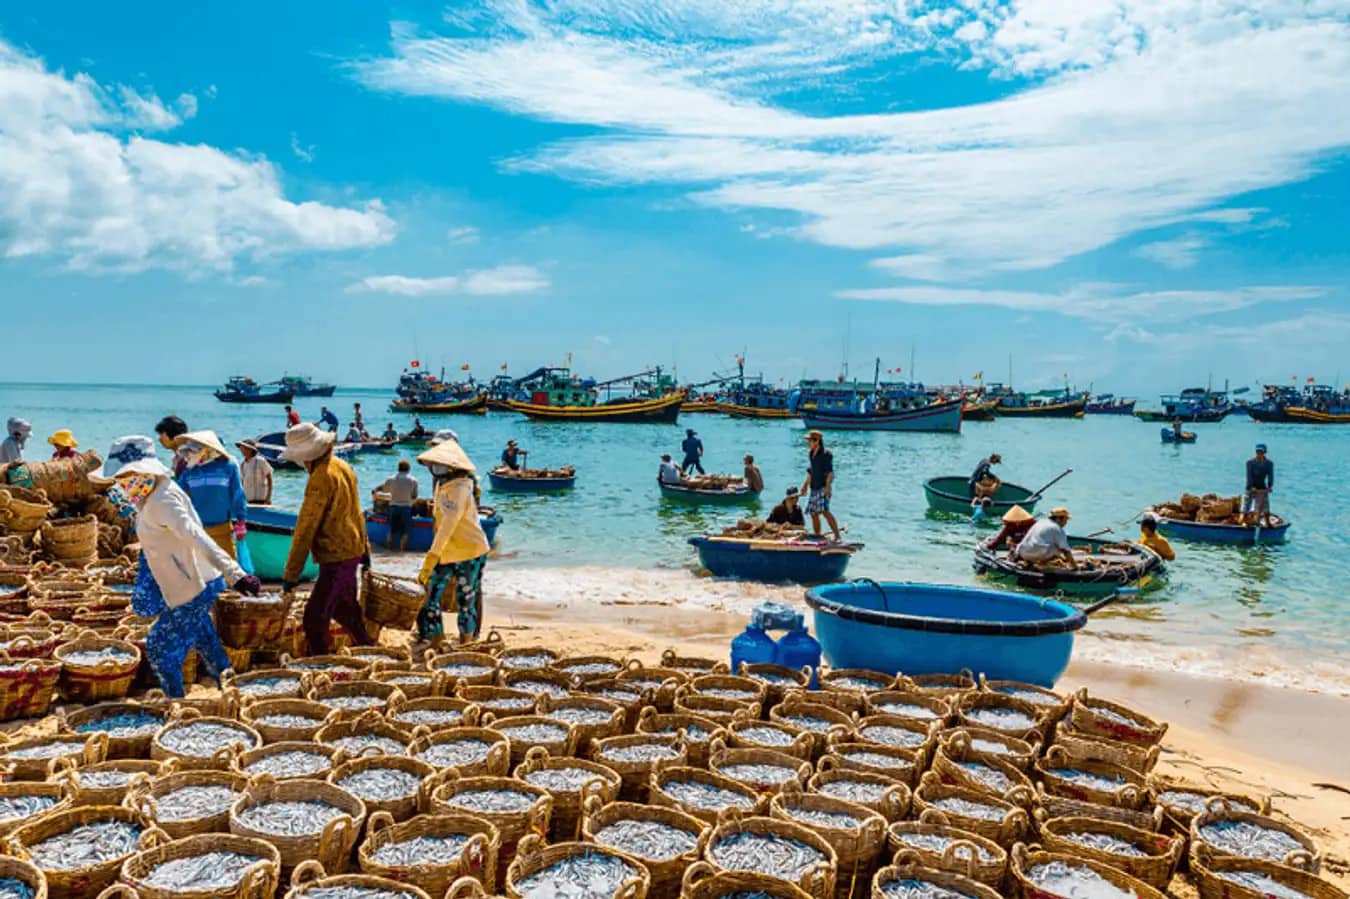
243 389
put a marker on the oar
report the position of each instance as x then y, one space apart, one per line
1120 593
1099 533
1040 493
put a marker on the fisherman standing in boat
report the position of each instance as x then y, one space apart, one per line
360 422
820 481
328 419
693 452
402 491
753 479
1176 428
789 511
511 455
983 481
1260 482
256 474
1046 541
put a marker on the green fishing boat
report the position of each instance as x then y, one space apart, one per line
952 496
269 542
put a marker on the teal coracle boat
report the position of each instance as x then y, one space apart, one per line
269 542
1105 568
733 495
952 495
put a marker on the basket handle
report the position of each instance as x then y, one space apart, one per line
259 880
539 816
1056 756
817 880
118 891
591 805
308 871
534 757
152 837
934 816
910 858
496 753
474 855
466 888
334 834
95 748
962 853
1020 794
528 845
378 821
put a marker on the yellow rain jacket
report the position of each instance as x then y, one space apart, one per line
459 537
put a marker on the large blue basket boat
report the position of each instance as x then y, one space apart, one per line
422 530
937 629
774 561
1226 534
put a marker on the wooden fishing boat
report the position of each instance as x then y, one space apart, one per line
241 389
736 410
1194 404
951 494
944 417
733 494
526 481
979 410
1302 415
1109 404
1170 436
700 407
271 446
1107 567
421 530
938 629
665 409
1226 534
376 445
802 560
303 385
1071 408
269 542
474 405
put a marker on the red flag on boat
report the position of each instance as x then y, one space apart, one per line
464 367
1312 380
503 366
415 364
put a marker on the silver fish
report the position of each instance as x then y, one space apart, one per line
455 752
496 801
432 717
587 875
210 871
917 889
192 803
765 736
123 725
92 658
438 850
954 805
380 784
888 735
203 739
290 764
1075 882
534 734
816 818
1001 718
359 743
560 780
12 807
758 774
641 752
853 790
575 715
697 794
270 686
289 722
85 845
13 888
938 843
655 840
767 854
1249 840
291 819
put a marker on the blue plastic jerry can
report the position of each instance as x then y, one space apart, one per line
752 646
797 649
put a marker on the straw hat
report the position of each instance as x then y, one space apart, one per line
450 454
305 442
1017 515
1060 512
208 439
64 438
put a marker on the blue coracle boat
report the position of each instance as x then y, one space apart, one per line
772 562
938 629
1226 534
421 530
1170 436
506 482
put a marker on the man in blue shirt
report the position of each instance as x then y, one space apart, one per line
1260 481
328 420
511 456
983 474
211 480
693 452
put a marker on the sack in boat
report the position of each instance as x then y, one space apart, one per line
1218 508
1190 502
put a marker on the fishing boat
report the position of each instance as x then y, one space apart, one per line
943 417
422 392
951 495
875 406
555 394
422 529
755 399
1104 568
241 389
269 542
1169 435
376 445
1312 404
1042 404
522 480
734 493
976 408
1194 404
801 560
938 629
1109 404
1220 533
702 405
474 405
1300 415
271 446
303 385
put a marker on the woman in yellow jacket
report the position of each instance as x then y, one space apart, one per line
453 568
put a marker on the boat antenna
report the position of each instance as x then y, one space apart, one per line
1010 383
912 378
876 375
848 339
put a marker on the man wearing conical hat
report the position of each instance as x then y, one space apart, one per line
211 478
453 568
1016 522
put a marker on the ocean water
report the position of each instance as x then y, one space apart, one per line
1260 609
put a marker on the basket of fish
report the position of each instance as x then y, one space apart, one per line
909 880
1092 781
693 665
411 683
915 705
746 690
948 848
526 732
430 851
1052 875
584 668
630 697
433 713
21 879
1098 717
914 737
1055 705
538 682
208 866
889 761
304 819
382 658
981 813
984 745
499 700
697 731
664 840
847 688
266 683
948 685
1227 830
514 807
1005 714
102 783
983 775
203 743
1229 877
591 718
762 770
395 784
579 870
130 726
81 849
1134 756
769 735
492 644
721 709
703 881
251 622
857 836
187 803
568 781
777 679
473 751
285 720
1181 801
27 686
37 758
1048 805
774 848
336 667
1142 854
352 698
887 797
95 669
33 640
24 800
703 794
660 683
823 722
367 734
527 657
470 669
309 881
288 761
635 757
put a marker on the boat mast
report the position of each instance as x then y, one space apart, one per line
876 376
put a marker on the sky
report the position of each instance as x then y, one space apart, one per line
1137 195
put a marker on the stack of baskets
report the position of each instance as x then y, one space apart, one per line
70 541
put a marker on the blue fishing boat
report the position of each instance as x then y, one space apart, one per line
422 392
1313 404
1169 435
733 494
271 446
269 542
937 629
1194 404
1060 403
241 389
504 480
803 560
303 385
1109 404
875 406
1225 534
421 530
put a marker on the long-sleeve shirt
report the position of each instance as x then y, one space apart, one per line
216 491
1260 474
983 470
402 489
781 514
331 526
178 552
1045 541
459 537
256 475
10 451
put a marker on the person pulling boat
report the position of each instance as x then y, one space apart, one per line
983 481
1152 540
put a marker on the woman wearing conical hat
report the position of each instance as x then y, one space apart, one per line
453 568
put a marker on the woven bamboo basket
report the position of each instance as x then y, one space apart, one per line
915 705
13 582
25 641
1126 755
100 621
433 713
248 622
1182 800
948 685
392 601
382 657
1011 828
769 735
144 795
693 666
1056 706
636 774
968 854
697 731
253 763
660 682
27 687
745 690
584 668
1213 875
1098 717
919 738
538 682
595 780
267 683
350 699
80 883
473 669
1024 861
1154 867
25 511
495 763
220 758
888 761
14 548
309 878
475 859
858 847
821 721
82 782
63 481
522 657
748 801
330 845
255 715
790 772
71 541
777 679
972 707
943 880
630 697
1013 786
499 700
854 684
560 739
1132 790
1049 805
110 679
724 711
400 808
259 880
817 880
57 793
26 873
412 684
982 744
875 792
592 718
703 881
1305 859
366 734
82 749
667 873
535 857
335 666
846 702
512 827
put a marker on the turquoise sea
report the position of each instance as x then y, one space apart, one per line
1284 604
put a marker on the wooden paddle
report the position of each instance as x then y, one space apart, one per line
1040 493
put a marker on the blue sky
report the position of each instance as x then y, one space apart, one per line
1137 194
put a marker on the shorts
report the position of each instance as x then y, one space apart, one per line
1257 501
817 502
400 517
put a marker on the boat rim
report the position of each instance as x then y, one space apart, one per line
1072 620
1284 523
928 485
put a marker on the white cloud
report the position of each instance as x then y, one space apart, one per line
302 152
463 234
252 281
602 339
498 281
1180 252
186 104
78 183
1145 114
